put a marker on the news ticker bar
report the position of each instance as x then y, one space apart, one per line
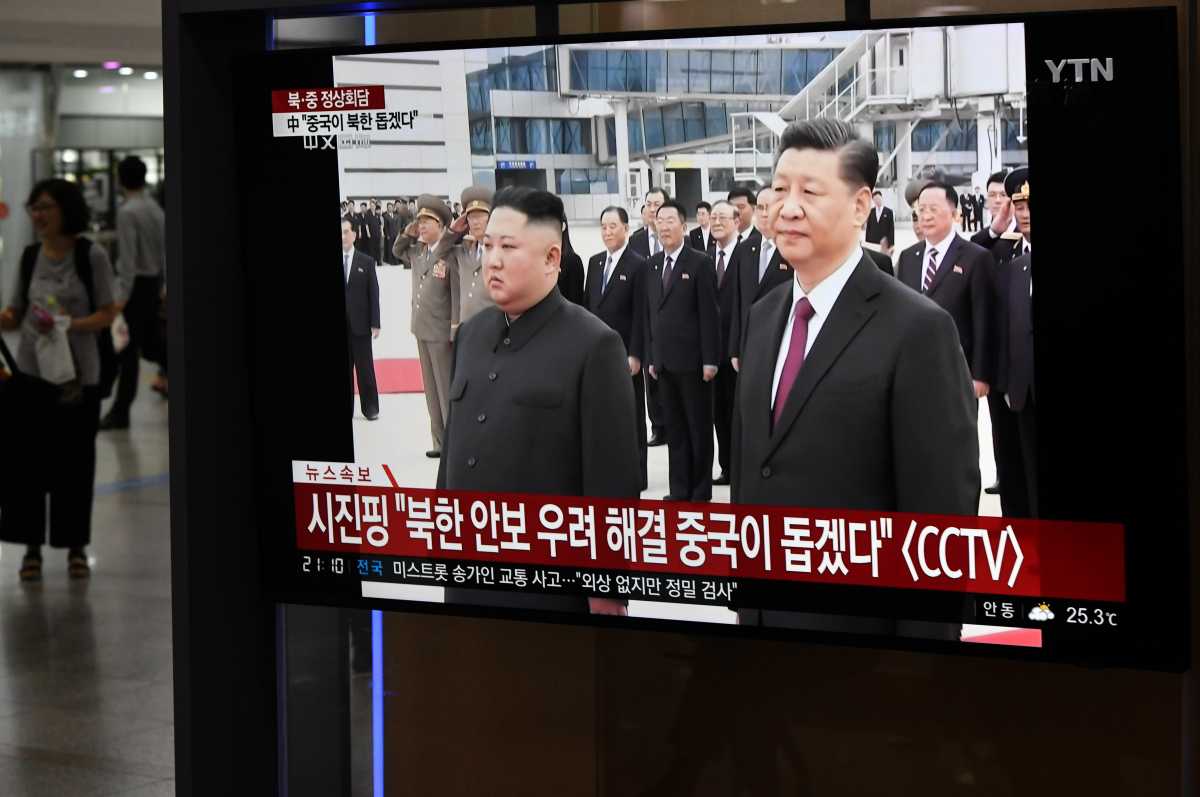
715 591
362 510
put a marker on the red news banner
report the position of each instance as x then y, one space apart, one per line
360 509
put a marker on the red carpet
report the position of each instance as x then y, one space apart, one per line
397 376
1018 637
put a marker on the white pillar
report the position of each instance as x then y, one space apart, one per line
903 170
989 140
621 109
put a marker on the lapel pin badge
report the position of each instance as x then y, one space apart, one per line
958 270
684 276
623 278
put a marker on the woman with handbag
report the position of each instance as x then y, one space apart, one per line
65 289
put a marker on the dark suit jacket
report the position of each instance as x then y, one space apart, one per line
881 417
748 290
884 228
683 331
375 224
696 239
883 261
727 294
623 304
1016 360
362 295
964 286
544 406
640 242
570 278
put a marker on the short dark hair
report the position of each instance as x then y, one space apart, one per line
658 189
951 194
671 203
750 193
858 161
704 205
131 172
621 214
998 177
541 207
877 193
69 198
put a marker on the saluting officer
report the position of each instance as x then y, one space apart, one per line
461 246
540 400
434 307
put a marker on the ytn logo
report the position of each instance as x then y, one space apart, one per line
1099 71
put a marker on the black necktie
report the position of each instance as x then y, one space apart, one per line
666 272
720 266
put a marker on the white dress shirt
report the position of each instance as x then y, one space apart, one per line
822 298
765 253
614 258
727 249
942 247
652 241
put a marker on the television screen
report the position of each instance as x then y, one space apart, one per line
731 332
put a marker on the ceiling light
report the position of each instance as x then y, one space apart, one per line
80 73
125 70
111 65
106 89
151 76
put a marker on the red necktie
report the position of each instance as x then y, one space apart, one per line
795 356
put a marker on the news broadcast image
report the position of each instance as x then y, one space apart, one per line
727 330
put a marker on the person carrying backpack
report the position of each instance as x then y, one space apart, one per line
66 282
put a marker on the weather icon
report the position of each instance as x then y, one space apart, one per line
1041 613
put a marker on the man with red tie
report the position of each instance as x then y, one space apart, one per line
723 225
853 391
684 351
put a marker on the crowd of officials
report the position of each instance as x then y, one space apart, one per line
834 374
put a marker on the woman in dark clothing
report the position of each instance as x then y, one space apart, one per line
66 283
570 274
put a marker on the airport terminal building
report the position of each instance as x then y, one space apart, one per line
600 123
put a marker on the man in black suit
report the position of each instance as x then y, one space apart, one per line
684 352
757 268
881 224
540 397
977 205
744 198
646 243
724 251
391 231
957 275
853 391
1018 484
616 294
362 318
374 222
362 233
699 237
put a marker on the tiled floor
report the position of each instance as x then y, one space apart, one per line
86 705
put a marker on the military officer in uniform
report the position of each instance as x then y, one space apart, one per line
461 246
540 400
434 307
